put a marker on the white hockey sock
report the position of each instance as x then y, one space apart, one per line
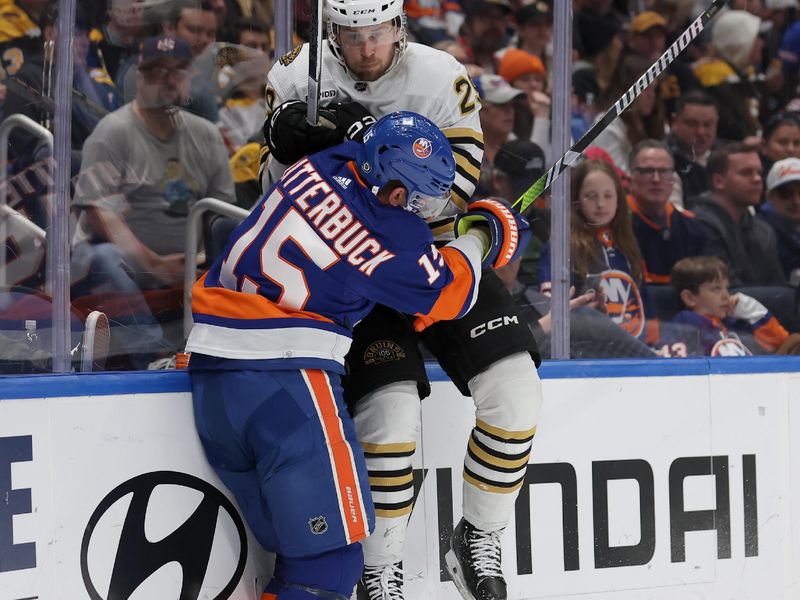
508 398
387 423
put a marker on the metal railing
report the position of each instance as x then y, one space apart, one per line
6 127
193 232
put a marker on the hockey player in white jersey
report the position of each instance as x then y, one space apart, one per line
369 69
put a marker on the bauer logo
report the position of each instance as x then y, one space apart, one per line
158 520
422 147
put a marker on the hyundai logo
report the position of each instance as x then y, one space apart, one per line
190 543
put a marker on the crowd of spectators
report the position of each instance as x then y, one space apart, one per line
169 100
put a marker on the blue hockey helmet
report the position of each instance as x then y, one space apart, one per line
407 147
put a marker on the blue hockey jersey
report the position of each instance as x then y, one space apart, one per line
312 259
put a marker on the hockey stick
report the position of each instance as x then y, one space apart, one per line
314 61
572 155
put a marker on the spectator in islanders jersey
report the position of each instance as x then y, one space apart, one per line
665 233
712 316
274 316
603 249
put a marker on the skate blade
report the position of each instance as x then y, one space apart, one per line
455 574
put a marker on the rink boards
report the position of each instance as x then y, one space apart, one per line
648 480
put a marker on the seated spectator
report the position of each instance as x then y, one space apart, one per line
643 119
30 91
433 21
517 165
21 30
497 121
647 37
782 212
781 139
598 41
144 166
116 42
706 324
195 22
485 30
603 249
535 31
592 333
748 246
241 74
665 233
254 34
735 53
693 132
526 72
585 93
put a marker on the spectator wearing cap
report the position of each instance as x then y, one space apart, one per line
535 30
598 41
143 167
498 103
782 212
497 111
195 22
485 30
526 72
643 119
647 37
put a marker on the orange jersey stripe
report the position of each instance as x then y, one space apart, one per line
354 518
222 302
771 334
455 295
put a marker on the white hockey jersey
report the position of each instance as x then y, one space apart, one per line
424 80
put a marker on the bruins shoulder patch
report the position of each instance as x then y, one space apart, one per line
287 58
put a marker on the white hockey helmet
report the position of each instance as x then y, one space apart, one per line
361 13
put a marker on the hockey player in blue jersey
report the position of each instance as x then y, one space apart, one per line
273 322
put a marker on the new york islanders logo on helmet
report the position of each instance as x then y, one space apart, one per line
422 147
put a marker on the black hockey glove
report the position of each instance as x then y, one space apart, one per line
290 137
352 120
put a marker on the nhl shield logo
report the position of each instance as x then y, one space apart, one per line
318 525
422 147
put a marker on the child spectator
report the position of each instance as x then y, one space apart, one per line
711 313
604 252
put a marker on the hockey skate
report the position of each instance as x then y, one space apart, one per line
381 583
474 563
